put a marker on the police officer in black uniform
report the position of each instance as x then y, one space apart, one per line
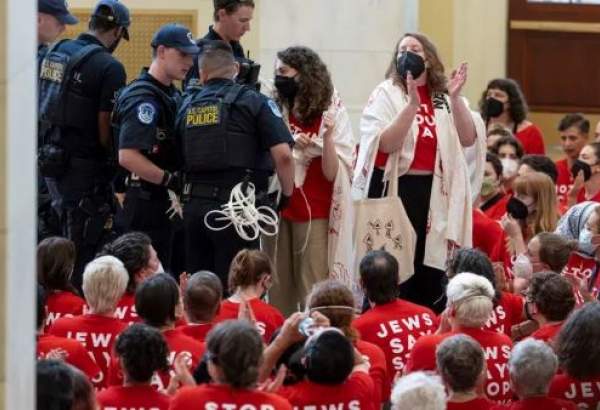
77 84
230 134
53 16
145 118
232 20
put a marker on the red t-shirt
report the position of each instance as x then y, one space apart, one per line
547 333
507 313
382 380
126 309
532 140
317 189
268 317
480 403
488 236
197 332
72 352
97 334
496 347
395 327
178 343
584 393
355 393
139 397
582 196
539 403
426 149
498 209
564 182
62 304
224 397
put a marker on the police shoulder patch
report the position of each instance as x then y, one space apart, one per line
146 113
275 109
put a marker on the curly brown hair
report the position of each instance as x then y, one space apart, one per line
578 349
516 100
334 293
315 87
553 295
436 79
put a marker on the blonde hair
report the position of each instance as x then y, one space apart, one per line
542 190
104 283
472 298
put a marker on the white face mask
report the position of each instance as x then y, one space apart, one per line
510 167
522 268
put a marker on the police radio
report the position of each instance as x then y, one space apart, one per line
249 72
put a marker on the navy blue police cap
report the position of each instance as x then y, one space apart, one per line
58 9
119 14
175 36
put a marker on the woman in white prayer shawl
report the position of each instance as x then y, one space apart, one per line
419 115
313 242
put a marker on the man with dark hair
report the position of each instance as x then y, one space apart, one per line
538 163
230 134
201 301
574 130
392 324
77 84
232 20
54 385
144 118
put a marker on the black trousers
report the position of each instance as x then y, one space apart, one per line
146 213
427 286
207 249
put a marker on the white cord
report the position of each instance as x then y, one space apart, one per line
248 221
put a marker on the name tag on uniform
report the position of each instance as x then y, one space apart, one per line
203 116
52 71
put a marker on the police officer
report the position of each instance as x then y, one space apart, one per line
77 83
145 117
53 15
230 133
232 20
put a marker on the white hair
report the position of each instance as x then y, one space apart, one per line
419 391
104 282
532 366
472 297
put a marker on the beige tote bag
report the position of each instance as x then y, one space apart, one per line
382 224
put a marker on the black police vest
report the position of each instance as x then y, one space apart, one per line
61 102
168 156
209 143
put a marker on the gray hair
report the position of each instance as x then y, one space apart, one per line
419 391
472 297
460 362
532 365
104 282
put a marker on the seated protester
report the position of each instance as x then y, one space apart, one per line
54 385
84 396
55 263
508 307
538 163
250 277
141 351
104 282
336 375
549 301
235 352
510 151
156 303
336 302
496 132
488 236
586 174
69 350
201 301
135 250
419 391
492 198
461 364
470 304
291 358
392 324
578 353
532 366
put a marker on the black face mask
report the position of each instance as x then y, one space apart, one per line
579 165
493 107
517 208
287 87
408 61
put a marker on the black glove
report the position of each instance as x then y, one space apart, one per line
173 181
284 201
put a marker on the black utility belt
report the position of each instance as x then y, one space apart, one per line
209 191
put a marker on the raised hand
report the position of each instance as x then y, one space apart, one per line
457 81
